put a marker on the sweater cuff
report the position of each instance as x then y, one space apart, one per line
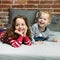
27 40
20 39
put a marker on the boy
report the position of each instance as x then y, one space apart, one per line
40 30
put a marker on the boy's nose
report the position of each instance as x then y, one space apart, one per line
41 20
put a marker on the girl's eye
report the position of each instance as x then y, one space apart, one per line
22 24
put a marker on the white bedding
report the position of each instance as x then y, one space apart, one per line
46 51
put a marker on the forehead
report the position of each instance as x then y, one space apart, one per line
20 20
45 14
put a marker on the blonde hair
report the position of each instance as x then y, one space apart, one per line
46 12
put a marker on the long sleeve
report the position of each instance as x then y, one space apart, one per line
27 41
20 40
17 42
2 35
54 35
33 32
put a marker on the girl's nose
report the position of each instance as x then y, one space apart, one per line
20 26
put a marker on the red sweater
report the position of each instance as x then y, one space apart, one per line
17 42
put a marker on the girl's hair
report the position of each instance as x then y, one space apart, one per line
46 12
11 31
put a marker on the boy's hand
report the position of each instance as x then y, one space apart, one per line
55 40
39 42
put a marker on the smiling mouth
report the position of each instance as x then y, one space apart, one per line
20 29
41 23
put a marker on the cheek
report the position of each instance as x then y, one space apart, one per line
16 27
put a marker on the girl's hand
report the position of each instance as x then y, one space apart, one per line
18 32
25 31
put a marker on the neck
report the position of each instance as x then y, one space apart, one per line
42 28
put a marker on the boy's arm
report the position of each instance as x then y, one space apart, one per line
53 36
32 33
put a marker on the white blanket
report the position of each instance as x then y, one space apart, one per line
48 51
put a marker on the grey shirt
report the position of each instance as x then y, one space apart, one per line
35 32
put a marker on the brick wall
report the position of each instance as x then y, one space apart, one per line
5 5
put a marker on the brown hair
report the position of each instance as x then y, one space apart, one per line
10 31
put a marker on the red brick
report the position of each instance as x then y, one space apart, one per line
1 6
5 10
0 10
46 2
44 6
6 2
0 1
57 10
33 2
6 6
19 1
17 6
30 6
57 14
55 6
47 9
56 1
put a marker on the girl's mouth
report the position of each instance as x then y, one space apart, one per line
21 30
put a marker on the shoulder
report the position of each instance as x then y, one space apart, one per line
35 25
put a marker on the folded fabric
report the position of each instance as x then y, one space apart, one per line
40 38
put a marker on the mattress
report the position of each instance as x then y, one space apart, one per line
46 51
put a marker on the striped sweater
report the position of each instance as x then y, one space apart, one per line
17 42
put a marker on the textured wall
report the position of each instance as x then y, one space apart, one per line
5 5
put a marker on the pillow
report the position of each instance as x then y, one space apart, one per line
30 14
55 24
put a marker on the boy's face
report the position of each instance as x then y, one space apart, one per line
43 21
20 25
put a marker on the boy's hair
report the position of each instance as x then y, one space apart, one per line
47 12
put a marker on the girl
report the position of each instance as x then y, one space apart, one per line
18 33
40 30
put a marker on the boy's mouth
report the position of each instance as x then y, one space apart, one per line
41 23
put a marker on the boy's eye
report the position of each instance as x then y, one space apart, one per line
44 19
40 18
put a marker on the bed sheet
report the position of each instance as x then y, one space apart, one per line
46 51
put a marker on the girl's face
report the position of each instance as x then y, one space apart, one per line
20 25
43 21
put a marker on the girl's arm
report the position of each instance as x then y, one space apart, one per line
17 42
2 35
27 41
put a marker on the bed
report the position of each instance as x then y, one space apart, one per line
46 51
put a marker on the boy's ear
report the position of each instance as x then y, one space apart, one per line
49 23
